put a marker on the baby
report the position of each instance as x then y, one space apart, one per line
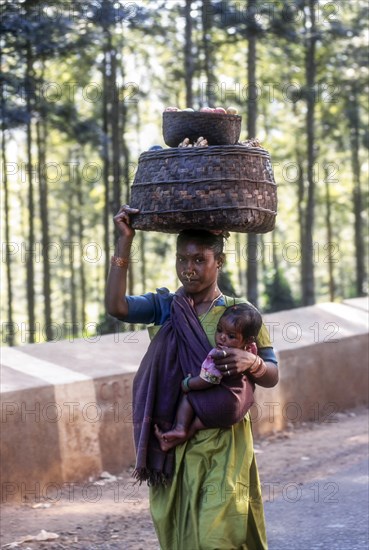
238 327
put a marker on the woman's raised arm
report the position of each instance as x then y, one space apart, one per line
116 286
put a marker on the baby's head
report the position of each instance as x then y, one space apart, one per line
238 326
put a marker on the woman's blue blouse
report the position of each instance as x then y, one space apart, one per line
154 308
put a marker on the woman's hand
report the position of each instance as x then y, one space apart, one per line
233 361
122 221
236 361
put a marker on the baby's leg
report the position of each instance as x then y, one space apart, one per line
171 439
195 427
179 433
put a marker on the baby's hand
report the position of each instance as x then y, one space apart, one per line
252 348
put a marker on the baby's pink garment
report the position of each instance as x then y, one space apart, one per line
209 371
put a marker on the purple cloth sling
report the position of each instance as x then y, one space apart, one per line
178 349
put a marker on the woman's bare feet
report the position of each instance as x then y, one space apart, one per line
168 440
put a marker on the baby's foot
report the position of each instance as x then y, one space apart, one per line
168 440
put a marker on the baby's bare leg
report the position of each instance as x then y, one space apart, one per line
179 433
195 427
175 437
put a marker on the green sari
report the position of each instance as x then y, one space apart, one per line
214 501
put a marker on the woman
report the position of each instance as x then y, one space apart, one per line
213 500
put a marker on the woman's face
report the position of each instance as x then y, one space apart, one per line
196 266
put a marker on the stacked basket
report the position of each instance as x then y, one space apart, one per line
227 186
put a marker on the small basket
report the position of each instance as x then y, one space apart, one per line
217 128
229 188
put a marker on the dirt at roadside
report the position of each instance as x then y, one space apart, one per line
114 513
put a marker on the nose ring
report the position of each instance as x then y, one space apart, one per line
188 275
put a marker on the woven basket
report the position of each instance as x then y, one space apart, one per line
230 187
217 128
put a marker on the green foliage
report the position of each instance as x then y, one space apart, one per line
225 283
57 54
278 292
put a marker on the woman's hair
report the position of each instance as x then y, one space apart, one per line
203 238
245 318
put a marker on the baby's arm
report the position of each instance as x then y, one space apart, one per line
195 383
209 376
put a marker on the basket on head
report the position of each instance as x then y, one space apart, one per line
217 128
229 188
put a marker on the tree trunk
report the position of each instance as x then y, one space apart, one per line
300 205
80 240
41 136
252 240
263 252
142 233
210 95
115 129
31 207
307 259
106 157
240 244
329 236
126 172
72 277
43 190
143 261
189 67
10 332
357 196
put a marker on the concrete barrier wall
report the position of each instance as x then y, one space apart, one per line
67 406
323 355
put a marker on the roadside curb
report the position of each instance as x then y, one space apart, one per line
67 408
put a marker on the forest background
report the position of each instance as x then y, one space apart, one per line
83 87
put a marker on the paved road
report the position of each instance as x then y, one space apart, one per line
330 513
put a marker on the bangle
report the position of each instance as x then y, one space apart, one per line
259 369
256 358
119 262
185 385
